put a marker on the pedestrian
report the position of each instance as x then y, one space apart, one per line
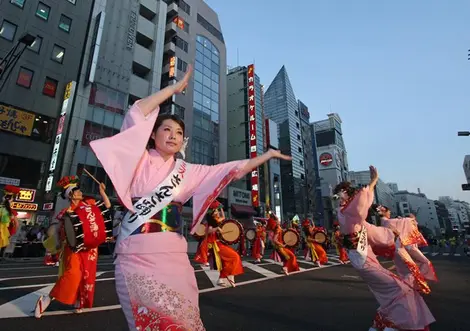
155 281
8 221
77 269
401 307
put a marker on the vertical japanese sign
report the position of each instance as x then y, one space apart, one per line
66 107
252 133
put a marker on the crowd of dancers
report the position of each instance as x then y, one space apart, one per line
155 281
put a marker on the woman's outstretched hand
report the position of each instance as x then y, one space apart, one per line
182 84
278 155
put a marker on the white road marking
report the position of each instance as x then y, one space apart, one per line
43 267
350 276
24 306
445 254
456 254
434 254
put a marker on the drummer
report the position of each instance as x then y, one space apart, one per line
222 257
315 251
77 272
202 249
281 254
257 248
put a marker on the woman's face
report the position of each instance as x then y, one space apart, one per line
218 215
168 138
76 195
343 196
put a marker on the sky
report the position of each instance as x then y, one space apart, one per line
395 71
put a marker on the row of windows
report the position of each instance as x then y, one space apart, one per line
180 43
25 79
20 3
184 6
8 31
209 27
43 11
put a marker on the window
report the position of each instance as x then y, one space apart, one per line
8 30
209 27
19 3
25 77
298 137
181 23
301 163
180 43
43 11
184 7
36 45
65 23
50 87
183 66
58 54
72 1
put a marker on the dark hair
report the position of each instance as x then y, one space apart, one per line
346 186
159 121
211 221
373 209
7 203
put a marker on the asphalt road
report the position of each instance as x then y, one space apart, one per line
332 298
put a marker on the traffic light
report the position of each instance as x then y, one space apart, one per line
465 187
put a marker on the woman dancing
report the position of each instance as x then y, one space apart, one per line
401 307
410 262
315 251
155 281
336 239
281 253
257 248
224 258
8 221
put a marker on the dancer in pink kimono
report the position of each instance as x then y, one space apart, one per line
410 262
401 306
155 281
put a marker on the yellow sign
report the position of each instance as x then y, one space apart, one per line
24 206
68 89
26 195
16 121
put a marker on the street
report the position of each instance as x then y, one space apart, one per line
331 298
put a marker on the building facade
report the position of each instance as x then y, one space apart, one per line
308 162
423 208
273 168
280 105
331 161
156 41
245 128
48 37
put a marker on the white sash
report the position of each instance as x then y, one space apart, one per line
358 256
160 197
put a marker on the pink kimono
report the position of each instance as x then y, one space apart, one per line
155 281
411 264
401 307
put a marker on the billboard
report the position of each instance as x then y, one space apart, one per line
252 133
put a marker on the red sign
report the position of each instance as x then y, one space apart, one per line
252 133
93 132
49 88
48 206
326 159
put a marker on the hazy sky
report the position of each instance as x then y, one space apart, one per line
395 71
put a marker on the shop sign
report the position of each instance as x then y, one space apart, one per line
239 197
26 195
16 121
252 133
24 206
326 159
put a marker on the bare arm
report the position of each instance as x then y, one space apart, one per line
374 178
104 196
150 103
259 160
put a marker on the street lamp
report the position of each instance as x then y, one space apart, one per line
13 56
463 133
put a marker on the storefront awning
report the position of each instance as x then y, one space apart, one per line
242 210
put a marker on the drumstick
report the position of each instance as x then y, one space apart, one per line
91 176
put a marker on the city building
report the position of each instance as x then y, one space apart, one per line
331 161
454 210
393 187
423 208
280 105
273 169
443 217
384 194
245 138
309 162
46 38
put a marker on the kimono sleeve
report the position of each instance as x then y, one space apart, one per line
379 236
120 155
207 182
